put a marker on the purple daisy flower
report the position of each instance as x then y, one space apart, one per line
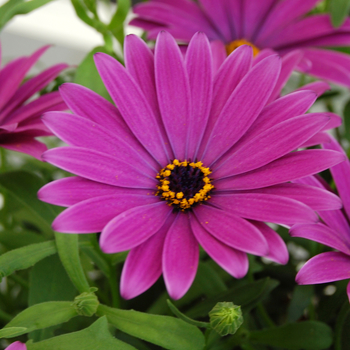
333 232
20 122
264 24
17 345
186 159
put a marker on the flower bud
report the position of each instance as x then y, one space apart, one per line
226 318
86 303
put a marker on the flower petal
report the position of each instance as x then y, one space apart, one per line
322 234
278 251
199 67
265 207
143 265
100 167
17 345
72 190
319 87
173 91
133 227
269 145
288 168
325 267
231 230
93 214
180 257
138 116
231 260
247 101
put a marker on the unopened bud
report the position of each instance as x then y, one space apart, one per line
86 303
226 318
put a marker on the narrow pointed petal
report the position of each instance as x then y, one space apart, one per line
72 190
231 260
232 230
138 116
143 265
242 108
323 234
133 227
288 65
319 87
13 74
93 214
180 257
348 291
219 54
88 104
269 145
199 67
288 168
278 251
325 267
341 175
318 139
31 86
315 198
173 91
231 72
20 142
100 167
265 207
81 132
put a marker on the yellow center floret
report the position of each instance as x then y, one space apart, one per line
184 184
233 45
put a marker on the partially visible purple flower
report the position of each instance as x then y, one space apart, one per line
333 232
279 25
20 116
17 345
186 158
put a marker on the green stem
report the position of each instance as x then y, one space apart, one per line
3 160
19 280
265 316
115 291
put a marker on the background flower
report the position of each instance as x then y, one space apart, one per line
146 168
17 345
270 24
19 118
333 232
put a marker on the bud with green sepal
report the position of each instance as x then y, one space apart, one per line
226 318
86 303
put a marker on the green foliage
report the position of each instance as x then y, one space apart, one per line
339 10
308 335
18 7
167 332
95 337
40 316
301 299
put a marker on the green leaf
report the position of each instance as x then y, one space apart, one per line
18 239
167 332
301 299
23 186
342 336
91 5
308 335
68 250
339 11
87 75
11 332
247 296
49 282
95 337
22 258
116 25
183 317
18 7
41 316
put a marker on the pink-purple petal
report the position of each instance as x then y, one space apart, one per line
133 227
232 230
325 267
231 260
180 257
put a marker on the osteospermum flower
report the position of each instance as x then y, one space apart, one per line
185 160
334 231
280 25
19 119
